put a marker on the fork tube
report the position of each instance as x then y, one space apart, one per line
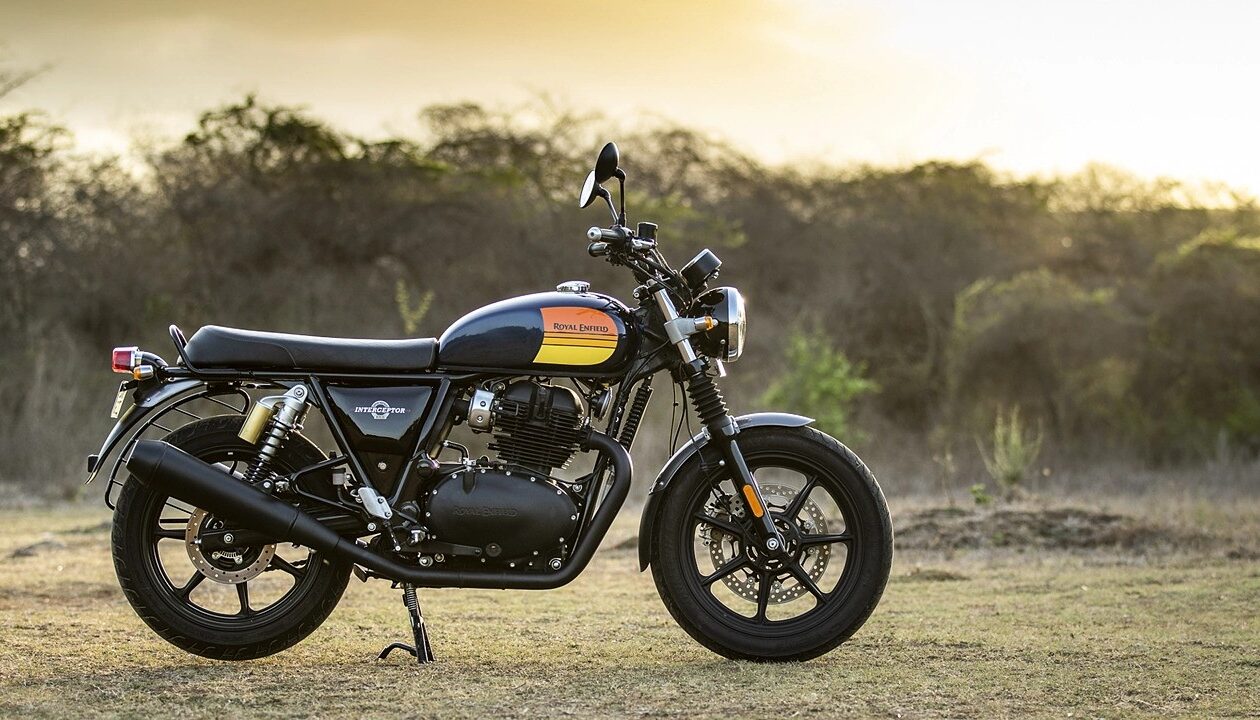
722 429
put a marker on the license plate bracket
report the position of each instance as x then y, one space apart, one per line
118 400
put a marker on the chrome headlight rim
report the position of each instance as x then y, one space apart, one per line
736 324
725 341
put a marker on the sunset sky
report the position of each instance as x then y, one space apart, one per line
1159 88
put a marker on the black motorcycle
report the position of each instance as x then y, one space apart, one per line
767 539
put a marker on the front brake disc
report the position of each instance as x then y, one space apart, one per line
724 546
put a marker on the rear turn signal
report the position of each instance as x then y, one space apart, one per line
124 359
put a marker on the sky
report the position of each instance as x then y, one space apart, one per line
1159 88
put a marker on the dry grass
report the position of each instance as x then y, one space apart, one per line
992 634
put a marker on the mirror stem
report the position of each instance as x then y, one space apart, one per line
621 179
603 192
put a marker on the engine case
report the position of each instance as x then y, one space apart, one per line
507 514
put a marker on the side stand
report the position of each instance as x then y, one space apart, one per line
422 651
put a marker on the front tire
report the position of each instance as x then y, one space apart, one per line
220 617
746 605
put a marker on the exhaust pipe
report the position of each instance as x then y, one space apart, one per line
184 477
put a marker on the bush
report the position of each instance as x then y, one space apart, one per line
1200 379
822 383
1012 450
1123 314
980 494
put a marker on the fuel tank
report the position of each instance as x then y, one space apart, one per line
551 333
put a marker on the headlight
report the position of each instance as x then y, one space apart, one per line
725 341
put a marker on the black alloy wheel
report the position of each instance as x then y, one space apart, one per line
229 604
745 602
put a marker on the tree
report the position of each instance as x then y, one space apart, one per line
1040 341
1200 379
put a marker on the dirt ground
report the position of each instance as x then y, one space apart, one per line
987 615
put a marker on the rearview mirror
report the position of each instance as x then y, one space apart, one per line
589 192
606 164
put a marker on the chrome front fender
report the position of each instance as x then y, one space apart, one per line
652 506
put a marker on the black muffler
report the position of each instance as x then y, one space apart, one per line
186 478
193 481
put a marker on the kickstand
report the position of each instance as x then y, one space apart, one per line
422 651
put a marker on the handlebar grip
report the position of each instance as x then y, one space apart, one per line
598 233
597 249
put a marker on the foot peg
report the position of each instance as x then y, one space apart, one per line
422 651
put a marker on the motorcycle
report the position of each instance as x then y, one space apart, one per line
767 539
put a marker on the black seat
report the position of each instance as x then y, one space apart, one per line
222 347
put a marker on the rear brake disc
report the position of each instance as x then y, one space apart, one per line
230 567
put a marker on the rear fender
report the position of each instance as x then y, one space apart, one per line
144 400
652 507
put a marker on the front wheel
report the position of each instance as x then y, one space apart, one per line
744 603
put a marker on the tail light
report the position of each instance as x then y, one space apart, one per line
124 359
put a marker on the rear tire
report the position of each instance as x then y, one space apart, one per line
174 615
696 600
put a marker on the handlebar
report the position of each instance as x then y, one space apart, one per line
622 247
615 235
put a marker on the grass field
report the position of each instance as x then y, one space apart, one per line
985 632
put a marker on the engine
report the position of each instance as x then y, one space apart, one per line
511 508
537 426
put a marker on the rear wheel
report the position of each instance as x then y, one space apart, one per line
744 603
234 604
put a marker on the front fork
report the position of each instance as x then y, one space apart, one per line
718 422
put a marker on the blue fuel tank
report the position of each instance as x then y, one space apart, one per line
550 333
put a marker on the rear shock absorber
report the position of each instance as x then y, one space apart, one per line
635 415
289 414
